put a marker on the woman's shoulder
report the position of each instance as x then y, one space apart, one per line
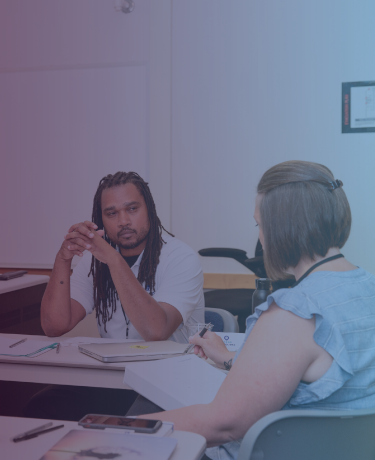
324 289
321 282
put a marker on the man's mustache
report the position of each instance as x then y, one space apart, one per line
125 230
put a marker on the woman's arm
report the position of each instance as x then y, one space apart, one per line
212 346
277 354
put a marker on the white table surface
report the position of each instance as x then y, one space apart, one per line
22 282
69 367
190 446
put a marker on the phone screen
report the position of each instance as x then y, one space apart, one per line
111 420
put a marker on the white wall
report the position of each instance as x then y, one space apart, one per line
257 83
74 106
218 93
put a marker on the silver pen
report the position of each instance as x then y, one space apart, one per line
34 430
201 334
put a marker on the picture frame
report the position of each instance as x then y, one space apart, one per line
358 107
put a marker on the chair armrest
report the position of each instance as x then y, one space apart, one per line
256 265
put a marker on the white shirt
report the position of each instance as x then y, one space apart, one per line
178 281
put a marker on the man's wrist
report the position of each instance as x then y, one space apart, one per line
115 260
62 260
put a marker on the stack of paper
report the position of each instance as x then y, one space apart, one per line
175 382
29 348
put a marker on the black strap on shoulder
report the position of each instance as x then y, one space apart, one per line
324 261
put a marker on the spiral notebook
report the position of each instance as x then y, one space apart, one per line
29 348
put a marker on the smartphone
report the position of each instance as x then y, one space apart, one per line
127 423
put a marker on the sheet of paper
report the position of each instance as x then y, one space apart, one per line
30 347
75 341
89 444
175 382
232 340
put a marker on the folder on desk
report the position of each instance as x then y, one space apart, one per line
133 351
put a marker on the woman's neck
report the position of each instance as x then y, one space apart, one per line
334 265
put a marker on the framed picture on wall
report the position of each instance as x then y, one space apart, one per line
358 107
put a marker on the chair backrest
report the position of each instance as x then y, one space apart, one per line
311 435
255 264
222 320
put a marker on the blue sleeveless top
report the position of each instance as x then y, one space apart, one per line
344 307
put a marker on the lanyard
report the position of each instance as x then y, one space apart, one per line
127 321
307 273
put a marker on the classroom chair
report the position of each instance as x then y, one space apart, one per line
311 435
239 301
222 320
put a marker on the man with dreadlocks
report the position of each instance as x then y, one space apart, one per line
142 283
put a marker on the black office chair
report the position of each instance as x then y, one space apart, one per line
239 301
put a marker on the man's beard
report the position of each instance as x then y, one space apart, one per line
141 237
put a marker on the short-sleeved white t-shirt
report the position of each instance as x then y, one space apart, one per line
178 281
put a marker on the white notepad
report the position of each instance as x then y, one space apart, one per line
175 382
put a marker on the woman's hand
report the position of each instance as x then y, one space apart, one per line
211 346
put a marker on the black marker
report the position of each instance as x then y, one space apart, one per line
35 435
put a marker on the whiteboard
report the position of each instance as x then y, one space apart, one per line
62 131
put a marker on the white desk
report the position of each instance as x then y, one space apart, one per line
190 446
22 282
69 367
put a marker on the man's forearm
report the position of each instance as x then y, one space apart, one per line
145 313
55 308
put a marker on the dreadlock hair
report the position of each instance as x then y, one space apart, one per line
105 294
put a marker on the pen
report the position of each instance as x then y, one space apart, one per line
35 435
201 334
34 430
58 348
17 343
